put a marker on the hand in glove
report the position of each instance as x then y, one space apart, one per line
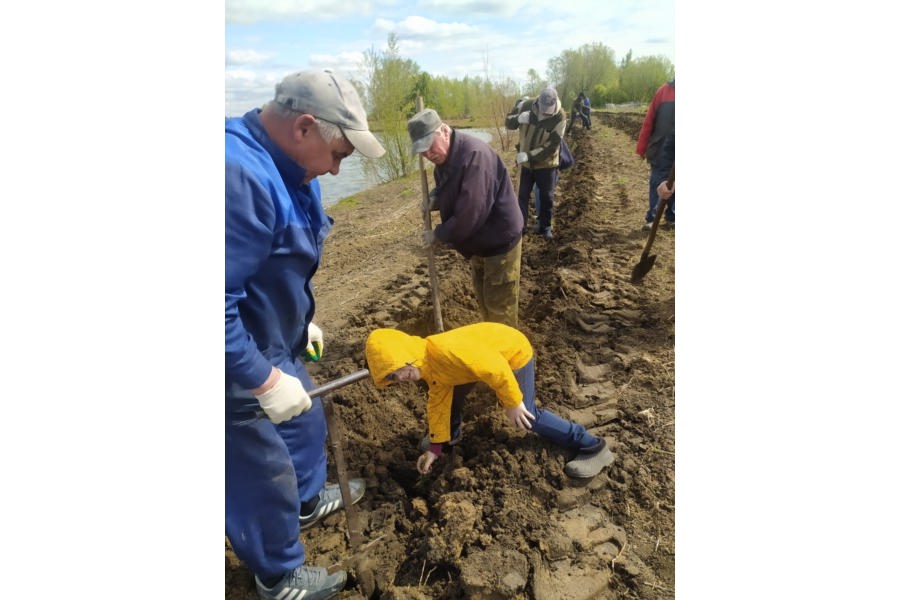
433 200
428 238
519 416
524 117
284 400
521 158
423 464
315 343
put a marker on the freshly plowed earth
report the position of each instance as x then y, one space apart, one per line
498 518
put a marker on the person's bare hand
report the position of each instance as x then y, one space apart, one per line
519 416
423 464
664 191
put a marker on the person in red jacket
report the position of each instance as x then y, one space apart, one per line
658 124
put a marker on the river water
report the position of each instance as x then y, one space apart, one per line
352 179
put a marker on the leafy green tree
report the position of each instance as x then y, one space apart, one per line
640 79
393 86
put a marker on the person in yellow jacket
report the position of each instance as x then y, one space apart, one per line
452 362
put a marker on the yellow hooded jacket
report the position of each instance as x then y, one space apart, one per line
487 352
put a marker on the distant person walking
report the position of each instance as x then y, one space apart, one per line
658 124
585 110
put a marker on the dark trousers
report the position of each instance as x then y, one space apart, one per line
545 179
657 176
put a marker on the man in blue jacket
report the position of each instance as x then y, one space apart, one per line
275 225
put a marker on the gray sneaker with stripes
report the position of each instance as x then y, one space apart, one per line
330 501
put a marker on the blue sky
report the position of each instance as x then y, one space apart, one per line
267 39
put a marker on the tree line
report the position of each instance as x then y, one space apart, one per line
394 83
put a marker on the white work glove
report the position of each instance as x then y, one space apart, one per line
315 343
521 157
423 464
524 117
428 238
286 399
519 416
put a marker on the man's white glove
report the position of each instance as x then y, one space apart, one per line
286 399
519 416
423 464
521 157
428 238
524 117
315 343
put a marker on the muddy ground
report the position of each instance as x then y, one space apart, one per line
499 518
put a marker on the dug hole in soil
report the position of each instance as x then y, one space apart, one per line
498 518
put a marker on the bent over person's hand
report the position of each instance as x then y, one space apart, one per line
285 399
423 464
519 416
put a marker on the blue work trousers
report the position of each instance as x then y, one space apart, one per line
269 470
658 175
546 424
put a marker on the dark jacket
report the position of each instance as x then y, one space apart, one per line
480 213
658 123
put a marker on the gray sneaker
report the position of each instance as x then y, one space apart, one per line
588 464
308 583
330 500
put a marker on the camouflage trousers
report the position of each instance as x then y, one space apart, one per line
496 283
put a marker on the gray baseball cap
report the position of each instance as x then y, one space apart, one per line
332 98
547 101
421 129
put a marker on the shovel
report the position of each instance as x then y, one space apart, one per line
336 441
647 259
426 217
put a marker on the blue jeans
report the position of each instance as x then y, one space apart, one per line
657 176
269 470
546 424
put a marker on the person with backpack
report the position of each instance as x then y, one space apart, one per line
542 125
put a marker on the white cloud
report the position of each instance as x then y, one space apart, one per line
254 11
246 57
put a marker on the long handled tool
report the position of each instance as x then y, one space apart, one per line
647 259
426 217
336 440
